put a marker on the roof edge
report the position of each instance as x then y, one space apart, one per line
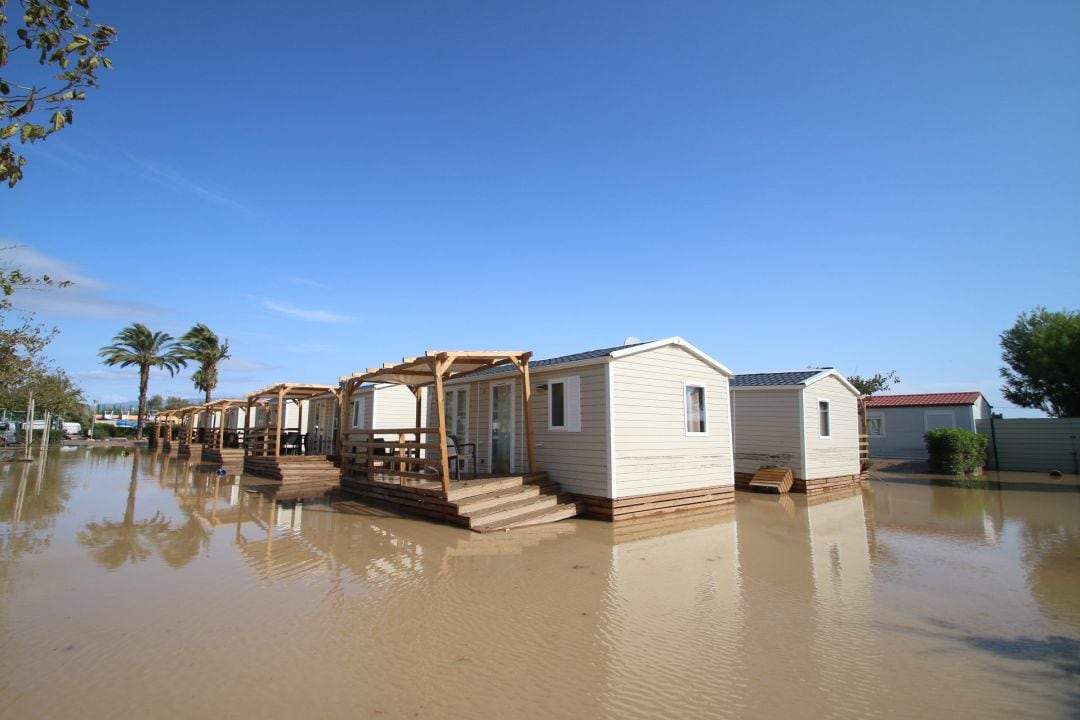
678 342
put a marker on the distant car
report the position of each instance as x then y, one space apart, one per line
9 432
71 429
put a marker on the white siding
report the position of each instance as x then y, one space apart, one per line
577 461
653 452
838 454
766 429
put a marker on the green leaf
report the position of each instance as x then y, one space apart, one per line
26 130
58 120
9 131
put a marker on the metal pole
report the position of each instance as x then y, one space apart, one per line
993 439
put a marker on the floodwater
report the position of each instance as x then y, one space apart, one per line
141 586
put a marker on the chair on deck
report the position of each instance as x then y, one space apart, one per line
454 448
290 443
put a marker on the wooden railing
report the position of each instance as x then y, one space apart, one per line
234 438
260 442
395 454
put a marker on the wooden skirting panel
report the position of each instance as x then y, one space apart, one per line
817 486
229 458
624 508
293 469
809 487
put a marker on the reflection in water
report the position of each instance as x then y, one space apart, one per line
114 543
29 502
895 599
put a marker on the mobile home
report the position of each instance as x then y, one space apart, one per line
807 420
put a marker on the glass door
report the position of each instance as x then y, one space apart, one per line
502 428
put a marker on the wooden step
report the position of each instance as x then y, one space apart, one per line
772 479
476 503
513 509
482 486
550 514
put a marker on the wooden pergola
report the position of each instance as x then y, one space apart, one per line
258 442
164 419
434 369
216 427
186 416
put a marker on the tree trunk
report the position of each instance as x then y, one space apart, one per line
144 382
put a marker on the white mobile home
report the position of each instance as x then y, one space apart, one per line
380 405
629 431
896 424
806 420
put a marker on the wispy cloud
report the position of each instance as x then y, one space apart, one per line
324 316
312 348
307 282
174 179
243 365
84 298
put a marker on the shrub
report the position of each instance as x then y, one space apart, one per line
955 451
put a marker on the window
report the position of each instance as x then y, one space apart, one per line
875 425
456 412
564 404
695 409
824 427
558 405
358 412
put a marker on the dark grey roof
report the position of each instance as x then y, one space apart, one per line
537 364
773 379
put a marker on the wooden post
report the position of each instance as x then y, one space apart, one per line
278 420
400 462
437 368
45 432
523 366
247 428
418 392
343 409
299 424
28 432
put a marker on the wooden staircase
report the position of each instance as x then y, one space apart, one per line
308 472
772 479
482 504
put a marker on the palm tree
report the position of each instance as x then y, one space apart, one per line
137 345
202 345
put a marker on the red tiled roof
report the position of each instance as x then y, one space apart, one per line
960 398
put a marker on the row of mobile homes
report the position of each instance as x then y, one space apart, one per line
806 421
896 424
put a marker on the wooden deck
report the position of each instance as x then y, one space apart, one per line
482 504
311 472
232 459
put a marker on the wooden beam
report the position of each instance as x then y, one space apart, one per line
278 419
437 367
522 364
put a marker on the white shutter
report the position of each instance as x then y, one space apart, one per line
572 403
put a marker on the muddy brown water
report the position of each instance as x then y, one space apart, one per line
141 586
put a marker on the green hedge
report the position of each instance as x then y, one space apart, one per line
955 451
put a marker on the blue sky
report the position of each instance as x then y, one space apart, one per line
867 186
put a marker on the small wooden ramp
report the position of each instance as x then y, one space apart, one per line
772 479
